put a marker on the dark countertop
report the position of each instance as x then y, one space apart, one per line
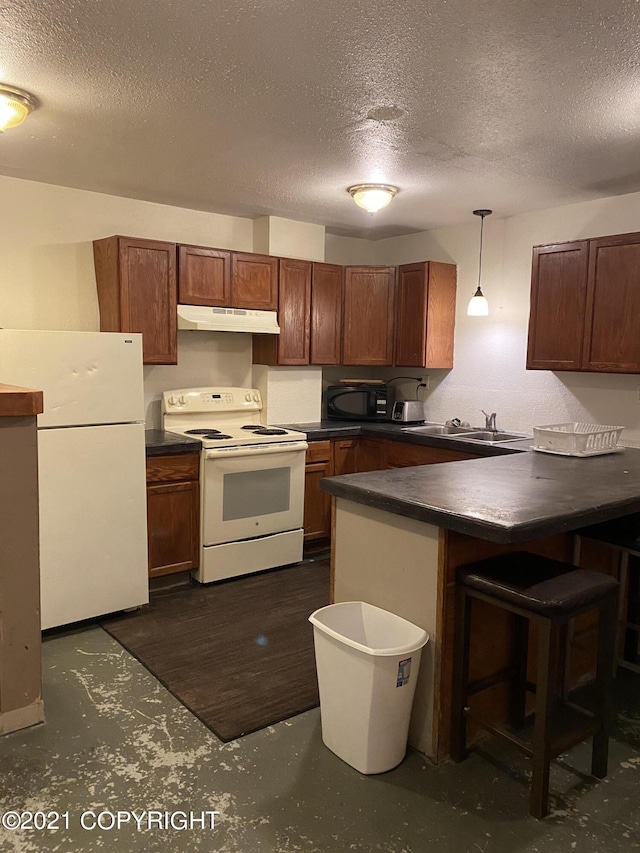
158 442
516 498
328 429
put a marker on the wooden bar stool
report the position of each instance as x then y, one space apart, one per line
623 534
548 594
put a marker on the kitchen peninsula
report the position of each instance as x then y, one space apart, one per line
400 535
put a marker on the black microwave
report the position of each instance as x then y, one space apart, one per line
359 402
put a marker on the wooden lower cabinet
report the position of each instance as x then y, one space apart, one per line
406 455
317 504
356 455
345 456
173 513
371 454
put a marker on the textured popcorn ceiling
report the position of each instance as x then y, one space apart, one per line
275 107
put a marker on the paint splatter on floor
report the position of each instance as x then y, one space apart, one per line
116 740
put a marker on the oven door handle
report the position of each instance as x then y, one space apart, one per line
256 450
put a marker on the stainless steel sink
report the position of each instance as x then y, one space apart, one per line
465 433
489 436
438 429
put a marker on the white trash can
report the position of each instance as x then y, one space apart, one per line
367 661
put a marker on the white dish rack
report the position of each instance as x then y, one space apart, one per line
576 439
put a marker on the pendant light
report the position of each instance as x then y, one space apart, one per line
478 305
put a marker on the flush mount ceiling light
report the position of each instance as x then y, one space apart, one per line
372 197
478 305
15 106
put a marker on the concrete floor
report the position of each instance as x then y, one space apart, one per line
115 739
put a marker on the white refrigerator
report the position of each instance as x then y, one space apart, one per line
91 464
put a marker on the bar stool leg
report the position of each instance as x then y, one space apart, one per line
518 682
549 637
458 746
623 606
604 709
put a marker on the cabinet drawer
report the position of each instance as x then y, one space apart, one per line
319 451
170 469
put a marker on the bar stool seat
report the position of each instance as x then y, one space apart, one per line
547 593
623 534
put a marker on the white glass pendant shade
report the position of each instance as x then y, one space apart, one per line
372 197
478 305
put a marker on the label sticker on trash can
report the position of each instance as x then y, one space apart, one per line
404 671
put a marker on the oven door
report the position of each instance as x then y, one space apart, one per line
252 491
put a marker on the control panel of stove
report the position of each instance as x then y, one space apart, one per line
184 400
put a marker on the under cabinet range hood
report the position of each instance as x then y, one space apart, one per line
207 319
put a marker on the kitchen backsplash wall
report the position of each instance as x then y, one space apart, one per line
289 394
204 358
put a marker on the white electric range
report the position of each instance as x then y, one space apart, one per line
251 480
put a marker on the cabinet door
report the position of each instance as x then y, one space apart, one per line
369 296
204 276
172 522
291 346
371 454
558 302
317 504
425 315
612 341
345 459
326 313
137 292
254 281
294 311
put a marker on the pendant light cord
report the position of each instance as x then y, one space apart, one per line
480 261
481 213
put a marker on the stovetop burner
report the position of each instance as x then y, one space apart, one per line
208 432
216 435
272 431
252 426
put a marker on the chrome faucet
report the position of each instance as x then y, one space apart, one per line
489 421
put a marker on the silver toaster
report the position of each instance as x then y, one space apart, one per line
408 412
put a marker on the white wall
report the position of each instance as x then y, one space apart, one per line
273 235
490 352
47 279
348 250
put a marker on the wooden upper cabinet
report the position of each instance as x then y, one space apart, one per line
326 314
612 337
254 281
136 281
558 303
291 346
425 315
204 276
585 304
369 298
